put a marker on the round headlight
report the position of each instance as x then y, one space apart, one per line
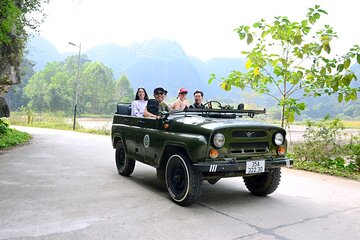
279 139
219 140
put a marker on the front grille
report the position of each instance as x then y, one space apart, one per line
249 147
249 134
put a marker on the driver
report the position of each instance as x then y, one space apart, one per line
198 97
159 94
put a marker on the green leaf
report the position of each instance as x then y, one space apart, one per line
306 30
354 96
347 97
301 106
340 67
242 35
327 48
346 80
323 71
300 74
291 117
212 78
347 63
304 23
340 97
264 33
323 11
328 69
249 38
335 85
358 58
298 39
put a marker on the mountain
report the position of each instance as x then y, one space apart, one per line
41 51
156 62
160 62
111 55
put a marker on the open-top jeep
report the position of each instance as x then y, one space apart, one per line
187 147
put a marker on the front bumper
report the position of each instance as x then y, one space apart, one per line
270 163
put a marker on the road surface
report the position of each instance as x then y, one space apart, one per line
64 185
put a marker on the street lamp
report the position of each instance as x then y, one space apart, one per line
77 82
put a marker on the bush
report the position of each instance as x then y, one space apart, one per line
11 137
324 148
354 150
4 127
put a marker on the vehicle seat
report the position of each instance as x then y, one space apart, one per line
123 109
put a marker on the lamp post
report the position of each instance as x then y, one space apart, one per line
76 82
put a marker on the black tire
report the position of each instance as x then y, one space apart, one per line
125 166
183 183
263 184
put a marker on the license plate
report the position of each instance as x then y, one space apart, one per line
255 167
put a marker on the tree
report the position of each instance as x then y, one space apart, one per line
45 88
124 91
15 22
291 61
97 88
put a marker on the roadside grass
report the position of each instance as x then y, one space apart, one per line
13 137
318 168
99 131
50 120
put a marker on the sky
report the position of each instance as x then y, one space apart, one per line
204 28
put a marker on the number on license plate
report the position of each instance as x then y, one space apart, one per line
255 167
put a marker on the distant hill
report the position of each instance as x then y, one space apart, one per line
41 51
149 64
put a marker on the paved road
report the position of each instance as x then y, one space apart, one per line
64 185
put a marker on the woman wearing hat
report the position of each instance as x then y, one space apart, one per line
181 103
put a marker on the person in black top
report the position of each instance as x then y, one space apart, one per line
198 97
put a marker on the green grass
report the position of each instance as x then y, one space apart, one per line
50 120
315 167
13 137
99 131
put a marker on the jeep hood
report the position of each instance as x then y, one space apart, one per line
219 123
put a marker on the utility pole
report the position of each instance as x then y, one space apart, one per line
76 83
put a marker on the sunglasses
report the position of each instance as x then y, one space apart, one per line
159 93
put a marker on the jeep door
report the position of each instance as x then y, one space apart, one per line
150 139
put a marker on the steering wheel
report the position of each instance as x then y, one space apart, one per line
209 105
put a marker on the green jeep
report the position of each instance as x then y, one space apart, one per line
187 147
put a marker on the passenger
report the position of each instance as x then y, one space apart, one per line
168 104
138 106
198 97
181 103
159 94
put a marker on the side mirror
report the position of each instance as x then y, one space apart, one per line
4 108
153 106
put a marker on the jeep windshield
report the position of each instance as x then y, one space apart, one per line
216 113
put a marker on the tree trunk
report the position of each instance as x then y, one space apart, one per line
283 116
